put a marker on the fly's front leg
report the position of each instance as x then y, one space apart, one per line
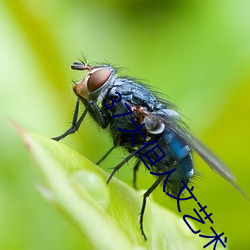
75 123
97 114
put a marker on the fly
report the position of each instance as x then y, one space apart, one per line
143 124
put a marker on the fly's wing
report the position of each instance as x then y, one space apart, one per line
212 160
171 120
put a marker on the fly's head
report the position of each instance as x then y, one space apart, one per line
93 84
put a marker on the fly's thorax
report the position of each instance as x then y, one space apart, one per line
94 85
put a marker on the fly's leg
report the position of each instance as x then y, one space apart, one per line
145 196
91 107
75 124
116 168
99 116
136 167
105 155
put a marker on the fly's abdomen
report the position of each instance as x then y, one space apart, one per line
180 158
177 155
180 155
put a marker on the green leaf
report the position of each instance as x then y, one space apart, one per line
106 215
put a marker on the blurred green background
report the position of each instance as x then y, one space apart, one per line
195 52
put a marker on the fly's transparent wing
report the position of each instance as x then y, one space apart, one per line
212 160
175 124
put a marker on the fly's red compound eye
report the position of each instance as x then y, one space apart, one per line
97 79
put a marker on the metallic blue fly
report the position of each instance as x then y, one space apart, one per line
148 127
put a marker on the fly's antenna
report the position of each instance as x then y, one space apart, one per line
80 66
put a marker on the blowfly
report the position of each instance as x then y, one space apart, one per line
148 127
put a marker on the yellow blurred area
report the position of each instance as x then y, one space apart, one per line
195 53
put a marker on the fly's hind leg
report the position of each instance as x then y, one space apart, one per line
145 196
135 169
